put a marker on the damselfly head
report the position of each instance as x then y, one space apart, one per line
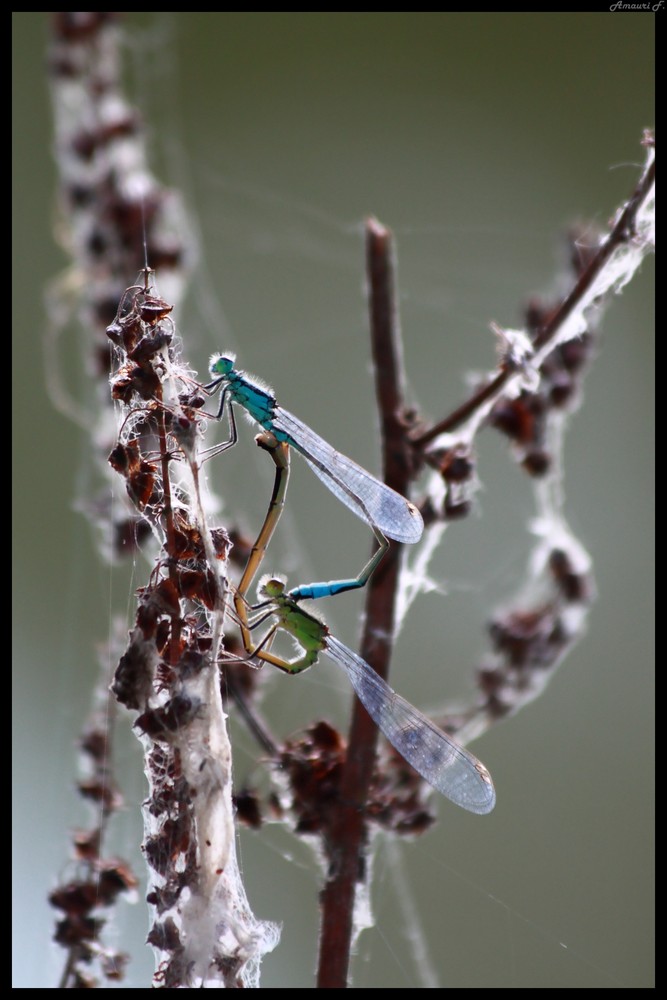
221 364
271 585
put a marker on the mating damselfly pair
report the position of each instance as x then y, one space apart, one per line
436 756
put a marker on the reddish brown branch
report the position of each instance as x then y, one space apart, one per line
348 835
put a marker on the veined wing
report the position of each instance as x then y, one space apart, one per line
440 760
366 496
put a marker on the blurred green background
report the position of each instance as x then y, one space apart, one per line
478 138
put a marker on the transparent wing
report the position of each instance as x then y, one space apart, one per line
439 759
365 495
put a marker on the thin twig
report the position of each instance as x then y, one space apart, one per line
621 233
